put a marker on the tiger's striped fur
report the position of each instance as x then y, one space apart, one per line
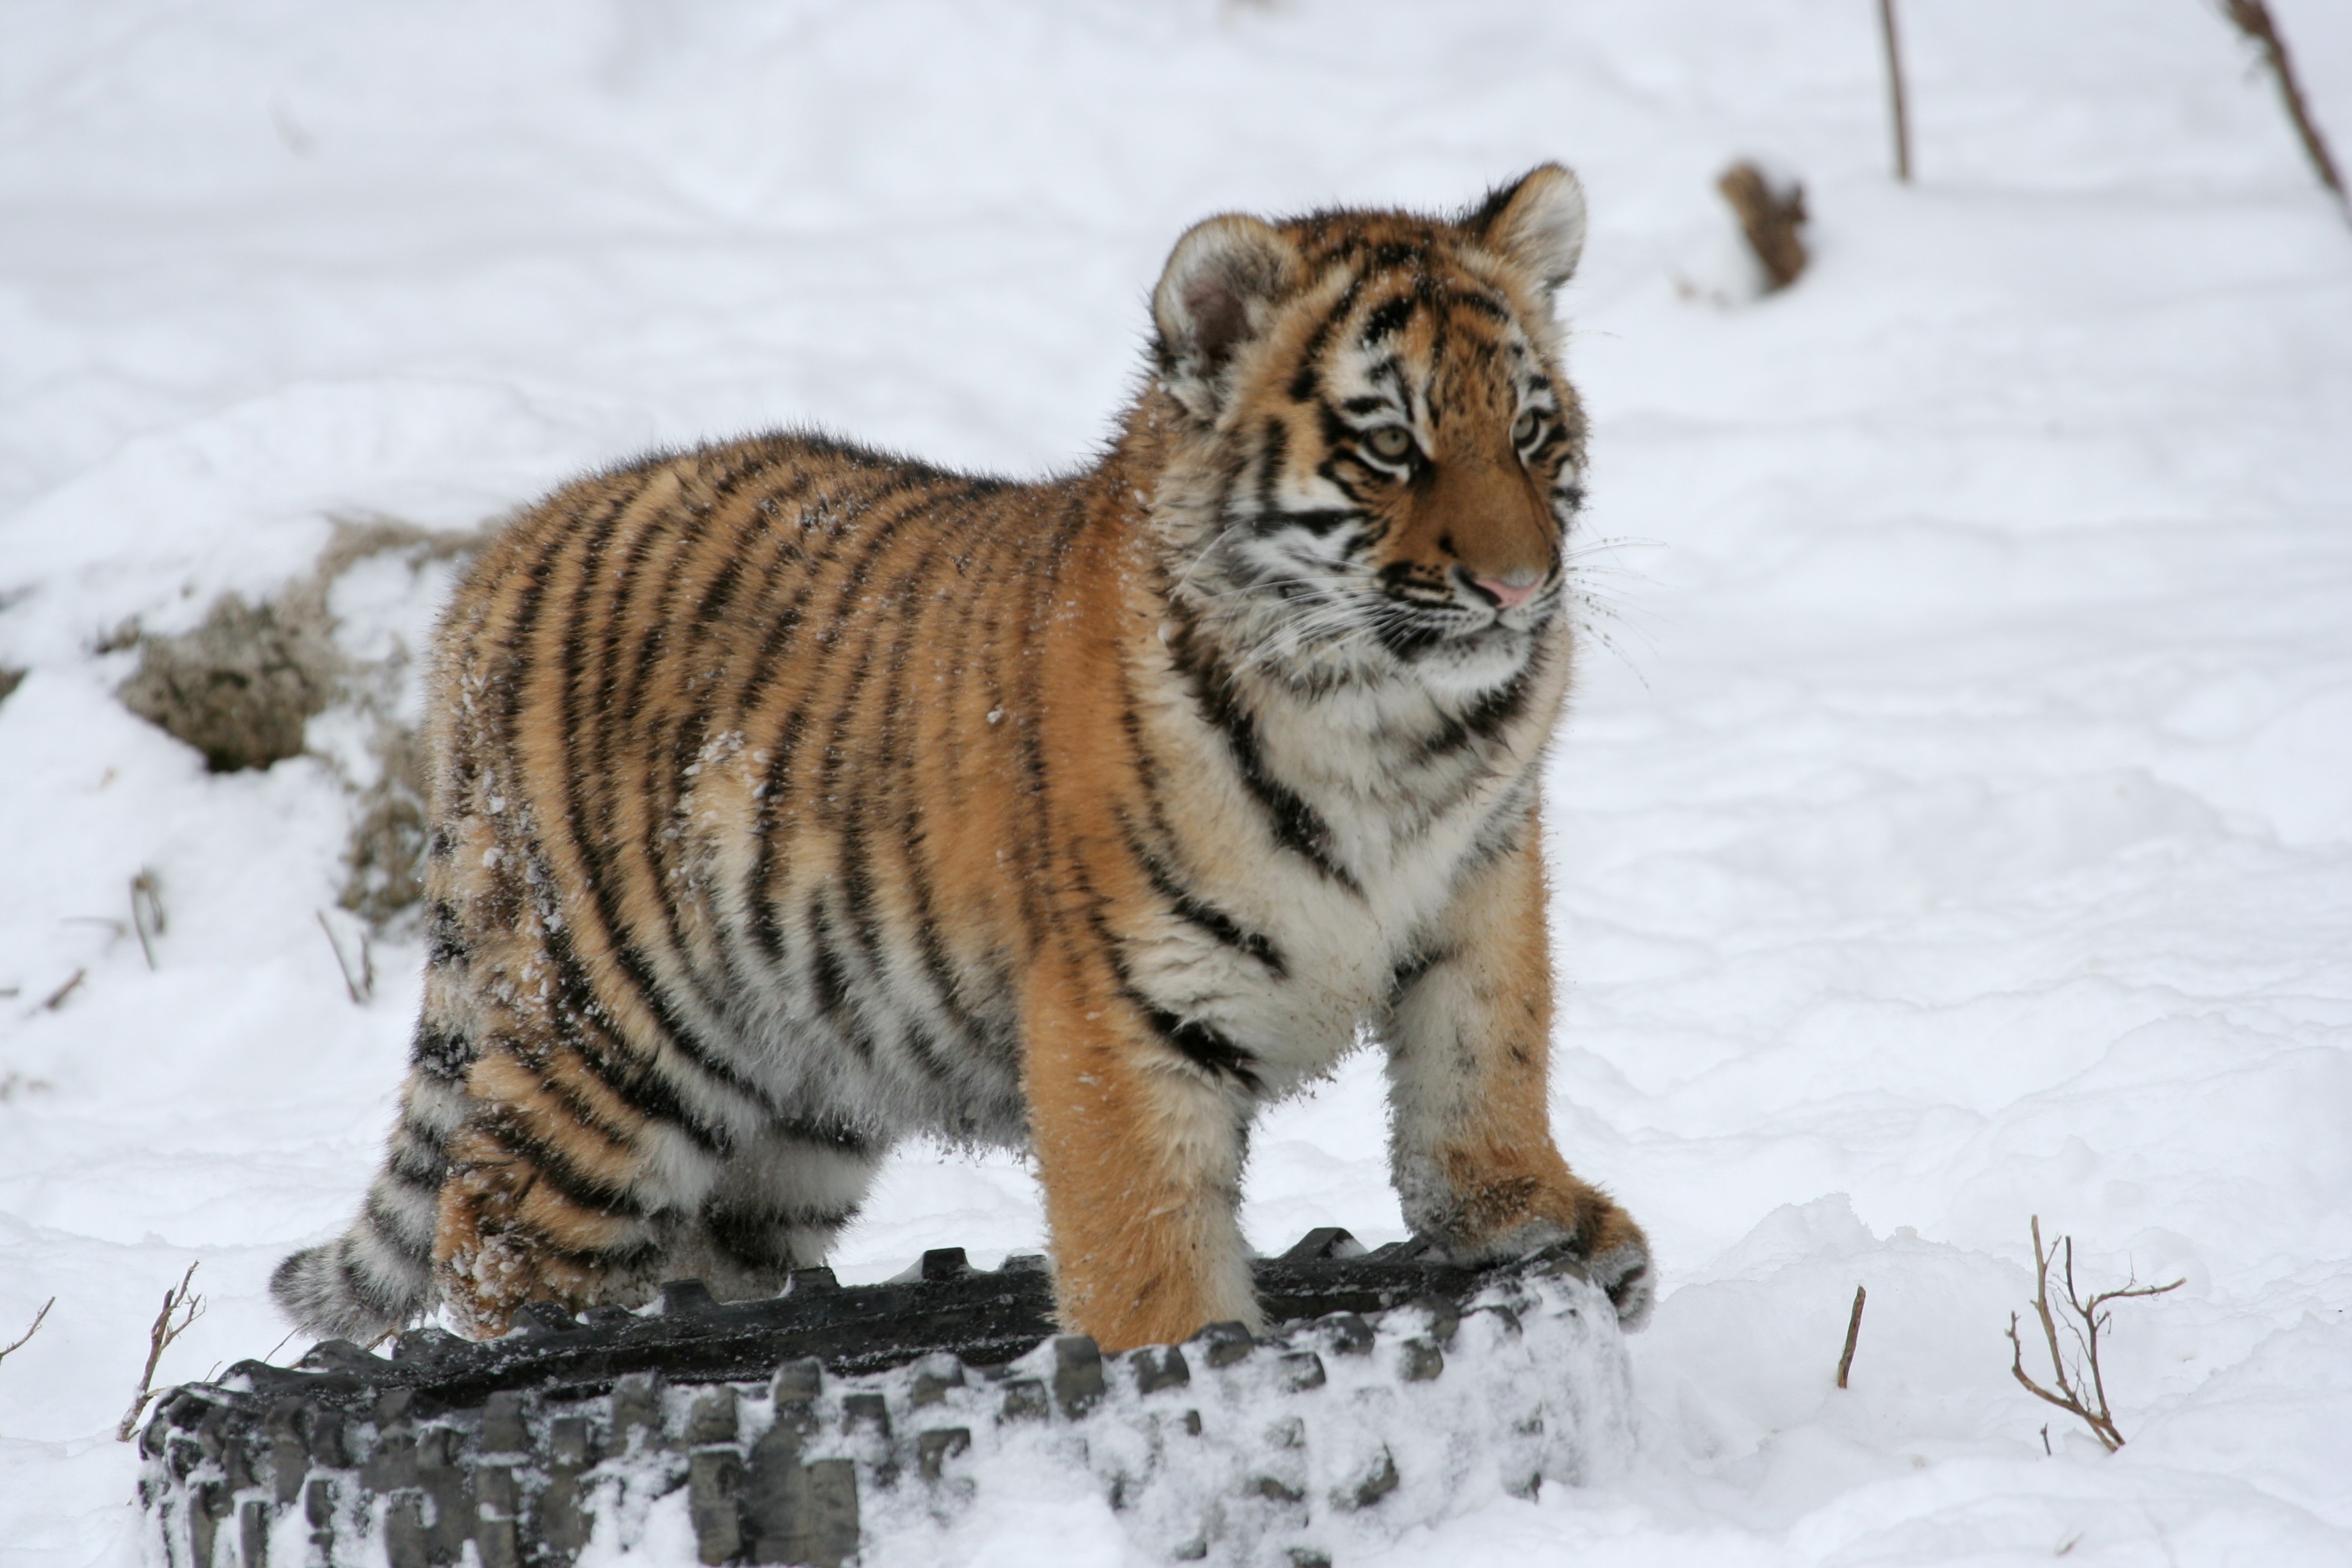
789 799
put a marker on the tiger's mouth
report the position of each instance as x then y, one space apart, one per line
1459 646
1414 624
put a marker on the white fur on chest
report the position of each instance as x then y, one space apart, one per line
1400 825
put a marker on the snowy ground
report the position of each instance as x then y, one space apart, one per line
1960 829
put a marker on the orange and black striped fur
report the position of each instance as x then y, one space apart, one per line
789 799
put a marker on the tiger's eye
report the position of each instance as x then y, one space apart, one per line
1524 428
1390 442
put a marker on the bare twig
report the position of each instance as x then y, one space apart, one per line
1770 219
58 997
181 1308
26 1337
14 1083
147 911
1895 89
1852 1332
2087 1401
362 985
2252 17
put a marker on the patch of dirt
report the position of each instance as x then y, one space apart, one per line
1772 220
243 687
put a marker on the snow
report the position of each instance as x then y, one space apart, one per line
1957 826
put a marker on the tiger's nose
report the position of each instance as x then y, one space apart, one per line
1511 590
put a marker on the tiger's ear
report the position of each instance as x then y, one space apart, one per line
1223 281
1538 224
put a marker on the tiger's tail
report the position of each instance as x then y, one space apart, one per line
377 1277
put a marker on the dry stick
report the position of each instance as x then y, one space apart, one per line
178 1301
147 911
26 1337
1895 89
2253 19
58 997
363 987
1852 1332
2089 1403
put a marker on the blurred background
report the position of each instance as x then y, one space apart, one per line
1954 824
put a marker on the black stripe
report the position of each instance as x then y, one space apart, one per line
1409 971
623 1259
829 980
1208 917
582 1189
1320 522
1040 848
1388 319
1482 720
445 941
418 1164
767 921
1205 1046
390 1224
1309 379
1273 452
385 1298
637 1083
1296 825
440 1053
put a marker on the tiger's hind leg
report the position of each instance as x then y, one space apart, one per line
560 1189
779 1204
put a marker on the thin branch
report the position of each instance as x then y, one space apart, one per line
360 986
56 998
2089 1321
26 1337
181 1308
1895 89
2252 17
147 911
1852 1332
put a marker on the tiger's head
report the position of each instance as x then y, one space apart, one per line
1380 455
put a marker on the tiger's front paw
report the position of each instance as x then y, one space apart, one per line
1524 1216
1622 1269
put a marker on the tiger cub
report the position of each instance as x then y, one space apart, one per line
788 798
